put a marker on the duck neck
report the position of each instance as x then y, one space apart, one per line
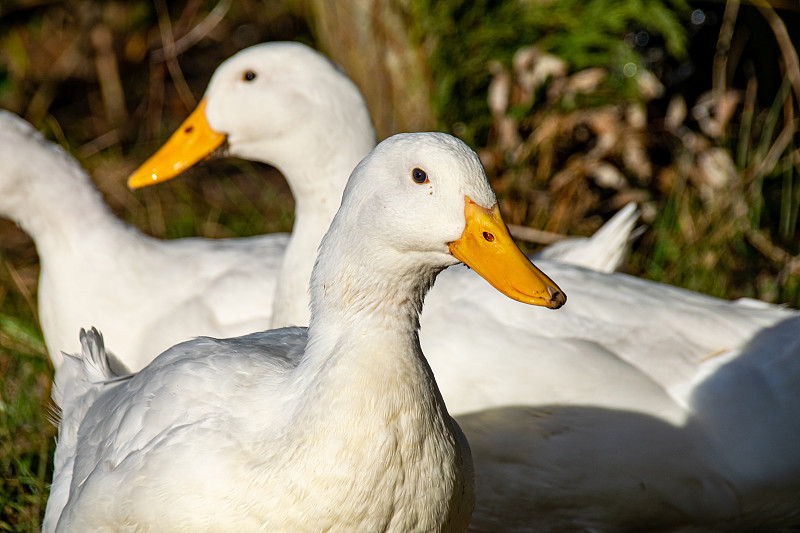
370 303
57 204
317 181
369 397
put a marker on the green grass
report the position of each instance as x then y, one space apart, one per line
26 435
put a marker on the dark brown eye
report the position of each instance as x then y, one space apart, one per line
419 176
249 76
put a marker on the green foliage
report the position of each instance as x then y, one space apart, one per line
26 435
741 241
774 184
26 442
464 35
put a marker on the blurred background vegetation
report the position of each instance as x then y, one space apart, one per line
575 106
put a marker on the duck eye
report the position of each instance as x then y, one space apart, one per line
419 176
249 76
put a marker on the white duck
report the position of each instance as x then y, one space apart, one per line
339 427
95 269
619 382
726 460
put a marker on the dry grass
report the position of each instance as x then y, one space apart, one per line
718 179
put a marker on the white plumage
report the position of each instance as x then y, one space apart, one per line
337 428
97 270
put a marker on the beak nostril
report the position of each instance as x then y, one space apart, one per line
488 236
188 129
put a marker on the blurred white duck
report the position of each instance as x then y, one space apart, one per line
605 251
339 427
98 270
680 415
287 105
728 459
618 379
95 269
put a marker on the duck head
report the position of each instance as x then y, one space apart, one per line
426 195
280 103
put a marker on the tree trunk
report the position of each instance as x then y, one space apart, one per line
370 40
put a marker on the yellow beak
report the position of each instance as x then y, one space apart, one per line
194 140
487 248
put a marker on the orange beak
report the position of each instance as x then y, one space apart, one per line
487 248
193 141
